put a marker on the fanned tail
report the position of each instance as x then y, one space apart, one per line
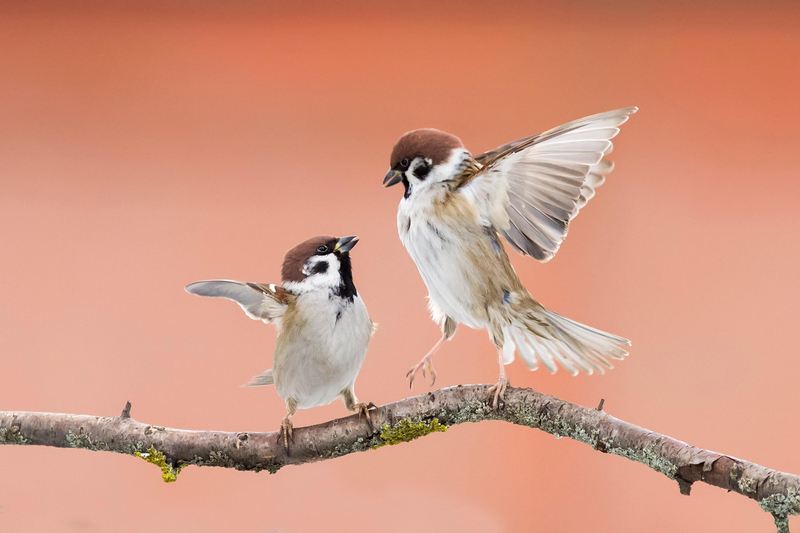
553 339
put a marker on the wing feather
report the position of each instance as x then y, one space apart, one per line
259 301
530 189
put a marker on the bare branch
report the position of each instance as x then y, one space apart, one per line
126 412
172 449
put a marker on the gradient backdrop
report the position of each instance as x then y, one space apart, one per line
145 148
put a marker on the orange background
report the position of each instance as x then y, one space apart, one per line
142 149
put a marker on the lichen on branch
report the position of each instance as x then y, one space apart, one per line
777 493
169 473
408 430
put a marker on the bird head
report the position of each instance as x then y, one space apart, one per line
424 157
320 263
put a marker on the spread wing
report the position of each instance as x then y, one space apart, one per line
530 189
259 301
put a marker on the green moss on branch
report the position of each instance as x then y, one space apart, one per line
408 430
168 473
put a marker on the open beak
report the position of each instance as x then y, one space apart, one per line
393 177
345 244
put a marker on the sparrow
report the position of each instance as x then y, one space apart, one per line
456 206
323 326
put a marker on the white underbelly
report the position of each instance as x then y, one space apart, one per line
315 367
440 257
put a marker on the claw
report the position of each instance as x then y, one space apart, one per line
432 372
426 367
410 376
498 392
285 433
363 409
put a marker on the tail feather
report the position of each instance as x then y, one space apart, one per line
261 380
575 356
525 351
562 353
591 336
508 352
573 345
544 353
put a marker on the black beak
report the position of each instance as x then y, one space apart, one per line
393 177
345 244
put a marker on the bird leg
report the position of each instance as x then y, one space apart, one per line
425 364
285 433
498 392
363 409
353 405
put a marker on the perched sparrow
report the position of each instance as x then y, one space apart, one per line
528 191
323 325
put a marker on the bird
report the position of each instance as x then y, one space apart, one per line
456 206
323 326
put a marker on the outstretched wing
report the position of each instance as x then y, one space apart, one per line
259 301
531 189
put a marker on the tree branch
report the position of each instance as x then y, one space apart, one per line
776 492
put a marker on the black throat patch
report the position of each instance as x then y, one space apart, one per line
346 289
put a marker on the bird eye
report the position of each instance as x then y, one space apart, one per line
404 162
322 249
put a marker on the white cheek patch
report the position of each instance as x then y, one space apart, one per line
328 279
442 172
451 167
415 164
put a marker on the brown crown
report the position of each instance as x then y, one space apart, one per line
295 258
430 143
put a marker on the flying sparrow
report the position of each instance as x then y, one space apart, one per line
528 191
323 325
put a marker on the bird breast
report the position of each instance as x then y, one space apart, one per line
459 260
321 348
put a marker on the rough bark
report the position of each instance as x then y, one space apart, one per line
172 449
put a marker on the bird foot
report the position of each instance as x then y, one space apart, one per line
285 433
425 365
498 392
363 410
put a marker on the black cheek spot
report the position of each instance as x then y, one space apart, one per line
320 268
422 170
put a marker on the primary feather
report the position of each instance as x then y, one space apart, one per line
530 189
259 301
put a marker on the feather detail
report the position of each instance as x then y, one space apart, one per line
261 380
530 189
260 301
552 338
